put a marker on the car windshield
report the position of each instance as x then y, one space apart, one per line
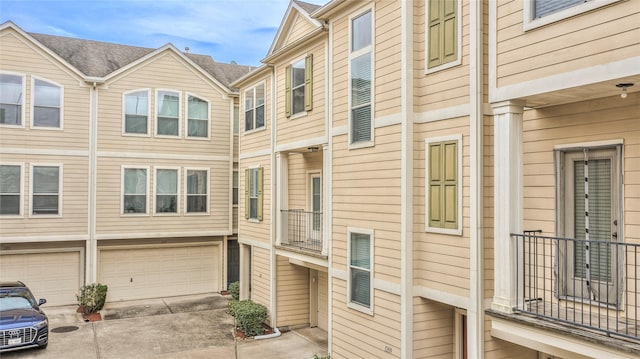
20 299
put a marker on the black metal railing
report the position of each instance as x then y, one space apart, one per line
592 284
303 229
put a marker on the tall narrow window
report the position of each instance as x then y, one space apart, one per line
47 104
298 83
10 189
253 193
361 69
197 189
166 190
11 99
236 119
135 182
198 117
168 113
136 112
46 184
254 108
442 32
235 187
443 189
360 265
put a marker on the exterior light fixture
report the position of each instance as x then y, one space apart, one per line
624 87
313 149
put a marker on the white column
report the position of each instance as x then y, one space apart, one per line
326 199
507 146
282 196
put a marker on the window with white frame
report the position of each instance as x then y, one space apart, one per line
253 193
361 74
134 192
47 104
236 119
360 268
11 99
197 191
254 108
443 38
136 112
168 113
235 187
546 7
46 184
298 86
542 12
10 190
166 190
197 117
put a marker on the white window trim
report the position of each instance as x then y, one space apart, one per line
370 232
448 65
250 168
238 172
60 189
427 142
155 190
529 23
156 112
302 113
244 110
186 195
367 49
186 117
23 113
308 189
21 193
122 213
124 96
33 104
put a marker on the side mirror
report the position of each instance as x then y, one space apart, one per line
41 301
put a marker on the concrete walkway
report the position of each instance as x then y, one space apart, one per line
175 327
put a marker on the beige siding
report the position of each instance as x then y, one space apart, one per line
441 261
256 140
299 28
340 73
292 293
388 56
433 329
252 229
594 38
495 348
323 300
299 167
260 274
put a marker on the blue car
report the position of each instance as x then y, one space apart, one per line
22 323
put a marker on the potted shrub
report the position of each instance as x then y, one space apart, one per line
91 299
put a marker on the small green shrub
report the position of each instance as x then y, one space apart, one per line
234 289
249 316
92 297
316 356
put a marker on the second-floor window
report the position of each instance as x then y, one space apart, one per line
11 99
166 190
47 104
361 114
197 117
134 198
45 190
254 108
10 185
136 112
253 193
360 267
197 191
168 113
298 86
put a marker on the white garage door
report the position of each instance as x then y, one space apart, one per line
55 276
159 272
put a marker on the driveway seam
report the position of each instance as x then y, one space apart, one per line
95 338
167 305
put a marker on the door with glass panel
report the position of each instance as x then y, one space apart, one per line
315 207
590 266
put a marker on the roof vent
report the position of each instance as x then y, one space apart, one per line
186 50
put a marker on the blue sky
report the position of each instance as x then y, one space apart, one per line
227 30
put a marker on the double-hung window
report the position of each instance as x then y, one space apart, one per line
197 117
134 190
47 104
253 193
254 108
168 113
298 86
361 75
197 190
136 112
443 184
443 34
360 269
46 189
11 99
235 187
167 183
11 190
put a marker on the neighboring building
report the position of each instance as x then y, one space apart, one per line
116 167
374 205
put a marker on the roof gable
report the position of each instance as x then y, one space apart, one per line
297 17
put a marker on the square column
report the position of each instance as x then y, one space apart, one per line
326 197
282 197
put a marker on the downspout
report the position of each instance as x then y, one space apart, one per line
475 313
91 266
272 185
328 180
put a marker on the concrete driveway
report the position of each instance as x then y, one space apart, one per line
184 327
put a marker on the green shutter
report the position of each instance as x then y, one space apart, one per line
308 83
450 29
435 185
287 91
246 193
260 192
442 34
443 185
435 28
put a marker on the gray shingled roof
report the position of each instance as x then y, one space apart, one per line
99 59
309 8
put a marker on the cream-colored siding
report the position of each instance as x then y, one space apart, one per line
433 329
292 288
300 166
323 300
593 38
260 276
299 28
388 59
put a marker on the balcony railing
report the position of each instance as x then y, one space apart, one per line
586 283
303 230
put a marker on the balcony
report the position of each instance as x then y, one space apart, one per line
587 284
303 230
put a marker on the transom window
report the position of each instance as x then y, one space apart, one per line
166 190
135 183
45 190
197 189
11 99
10 189
254 108
168 113
360 269
47 104
197 117
361 129
136 112
298 86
